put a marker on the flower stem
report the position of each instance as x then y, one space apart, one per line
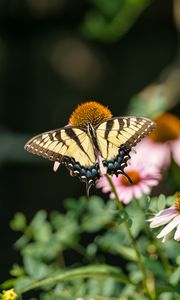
94 271
133 241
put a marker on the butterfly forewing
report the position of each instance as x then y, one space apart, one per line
65 142
71 146
117 136
115 132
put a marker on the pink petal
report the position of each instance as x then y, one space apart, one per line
56 166
168 228
148 169
104 184
160 221
122 192
155 154
127 198
112 196
137 191
168 211
177 233
165 237
175 147
103 170
163 217
125 194
152 181
145 188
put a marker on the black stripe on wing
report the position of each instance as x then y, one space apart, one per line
46 144
124 133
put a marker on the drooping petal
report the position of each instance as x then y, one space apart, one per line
56 166
163 217
177 233
102 169
168 228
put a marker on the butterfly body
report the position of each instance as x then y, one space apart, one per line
82 145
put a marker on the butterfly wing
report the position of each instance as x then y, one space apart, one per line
117 136
71 146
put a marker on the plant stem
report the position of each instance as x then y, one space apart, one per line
96 271
133 241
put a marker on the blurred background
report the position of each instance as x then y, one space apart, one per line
55 54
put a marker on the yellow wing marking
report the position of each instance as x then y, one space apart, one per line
113 133
74 143
86 157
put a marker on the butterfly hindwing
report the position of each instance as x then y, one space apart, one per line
117 136
71 146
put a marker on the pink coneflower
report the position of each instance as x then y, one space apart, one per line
169 216
143 176
164 141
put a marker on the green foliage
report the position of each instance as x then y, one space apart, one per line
47 239
108 21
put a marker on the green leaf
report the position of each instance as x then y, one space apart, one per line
41 229
156 104
17 270
110 243
169 296
22 241
19 222
91 250
137 217
168 246
178 260
108 20
23 283
98 214
8 284
76 206
147 202
35 268
175 277
155 267
161 202
126 252
170 200
124 217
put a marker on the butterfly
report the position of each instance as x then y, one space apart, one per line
79 147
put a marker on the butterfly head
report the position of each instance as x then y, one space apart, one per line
89 113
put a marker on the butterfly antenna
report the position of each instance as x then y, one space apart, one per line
128 178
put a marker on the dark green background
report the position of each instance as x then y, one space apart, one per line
36 95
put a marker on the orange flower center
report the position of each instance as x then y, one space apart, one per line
177 202
89 112
135 177
168 128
